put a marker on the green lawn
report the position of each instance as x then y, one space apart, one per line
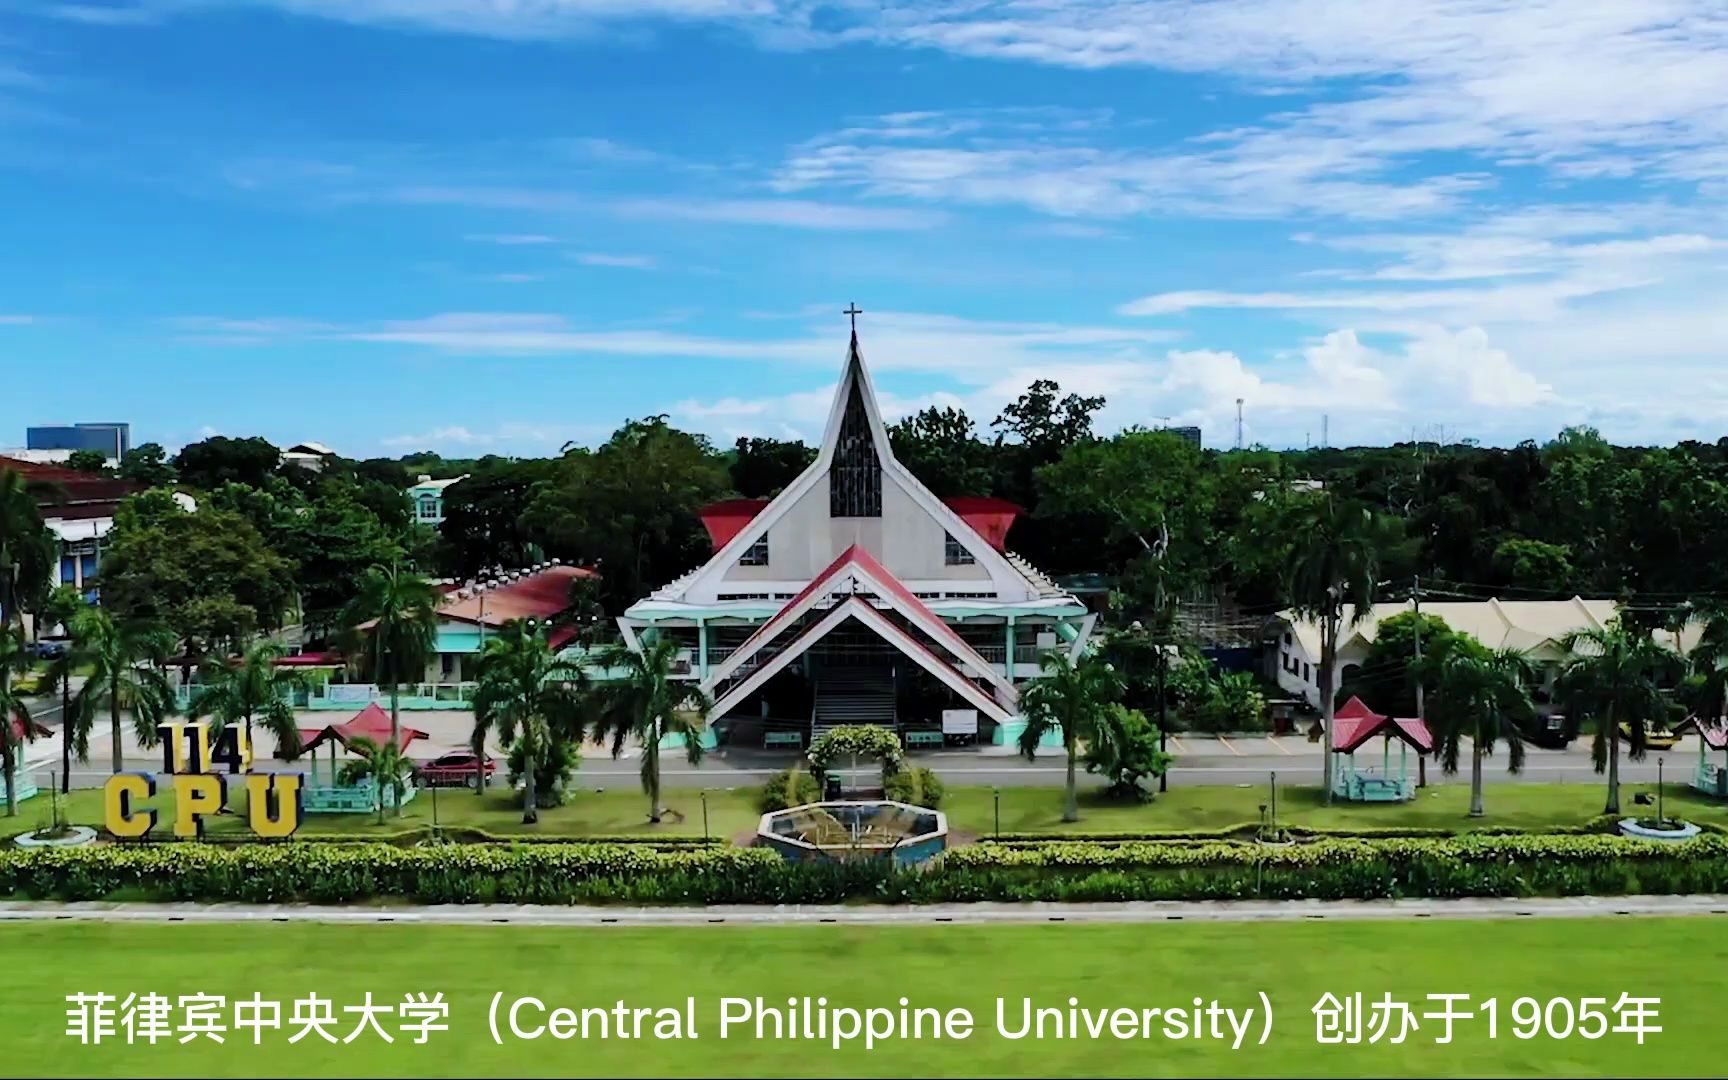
1683 962
970 810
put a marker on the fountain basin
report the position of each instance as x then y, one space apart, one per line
866 829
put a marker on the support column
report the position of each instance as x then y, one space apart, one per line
1008 669
702 648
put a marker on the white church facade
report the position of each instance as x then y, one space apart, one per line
858 596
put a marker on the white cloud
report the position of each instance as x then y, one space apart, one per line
626 262
786 213
515 278
102 15
16 320
1517 300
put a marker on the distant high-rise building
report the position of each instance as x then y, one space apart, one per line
112 440
1192 434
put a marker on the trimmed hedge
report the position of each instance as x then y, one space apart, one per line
551 873
1247 830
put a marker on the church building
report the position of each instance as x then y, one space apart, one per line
857 596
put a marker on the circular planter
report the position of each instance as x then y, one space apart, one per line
81 835
1630 827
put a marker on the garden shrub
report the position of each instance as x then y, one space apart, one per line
916 785
789 787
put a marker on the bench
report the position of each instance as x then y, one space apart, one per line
923 738
794 739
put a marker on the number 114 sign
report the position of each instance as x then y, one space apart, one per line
198 768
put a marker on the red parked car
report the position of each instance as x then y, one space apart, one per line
455 769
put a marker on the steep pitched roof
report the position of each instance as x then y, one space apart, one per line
855 383
539 595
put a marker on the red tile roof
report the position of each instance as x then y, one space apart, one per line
727 518
1354 723
372 723
538 596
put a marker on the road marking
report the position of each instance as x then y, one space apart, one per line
1177 743
1278 746
1228 747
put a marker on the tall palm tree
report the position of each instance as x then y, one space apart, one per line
1483 696
26 548
648 704
1708 657
63 606
1614 678
1333 566
1074 698
125 658
16 724
525 687
391 625
251 686
387 766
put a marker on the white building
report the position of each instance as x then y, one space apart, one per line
856 595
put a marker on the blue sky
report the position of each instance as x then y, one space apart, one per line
488 226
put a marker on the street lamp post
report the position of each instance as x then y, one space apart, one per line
1661 819
704 813
997 793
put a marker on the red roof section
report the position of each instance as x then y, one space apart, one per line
540 595
989 517
72 494
727 518
1355 723
372 723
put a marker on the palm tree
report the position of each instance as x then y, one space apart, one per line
124 657
63 606
1483 696
1333 565
526 687
26 548
384 764
648 704
1614 678
236 691
1075 699
16 724
392 625
1708 657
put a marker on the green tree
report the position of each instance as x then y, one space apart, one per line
147 466
630 507
1707 660
1073 699
26 549
1614 679
532 700
1334 567
942 448
332 544
88 461
207 574
251 686
1481 695
1153 491
16 724
386 765
1129 755
646 703
1533 564
391 627
1388 675
63 606
763 467
218 460
124 658
483 515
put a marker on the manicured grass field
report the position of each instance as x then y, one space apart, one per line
1684 962
971 810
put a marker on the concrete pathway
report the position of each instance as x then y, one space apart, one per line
1149 912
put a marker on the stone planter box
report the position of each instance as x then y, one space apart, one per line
1630 827
81 835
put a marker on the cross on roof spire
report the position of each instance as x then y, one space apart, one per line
854 311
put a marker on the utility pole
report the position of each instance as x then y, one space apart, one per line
1325 430
1238 423
1421 710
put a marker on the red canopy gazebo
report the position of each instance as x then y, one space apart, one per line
1352 726
371 723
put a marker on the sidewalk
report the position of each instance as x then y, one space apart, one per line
1577 907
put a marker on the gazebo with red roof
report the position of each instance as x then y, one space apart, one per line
1711 779
332 797
1354 724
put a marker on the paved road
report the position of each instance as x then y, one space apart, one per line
1212 761
1574 907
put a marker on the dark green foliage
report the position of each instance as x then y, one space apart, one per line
219 460
763 467
557 768
88 461
147 465
1130 756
